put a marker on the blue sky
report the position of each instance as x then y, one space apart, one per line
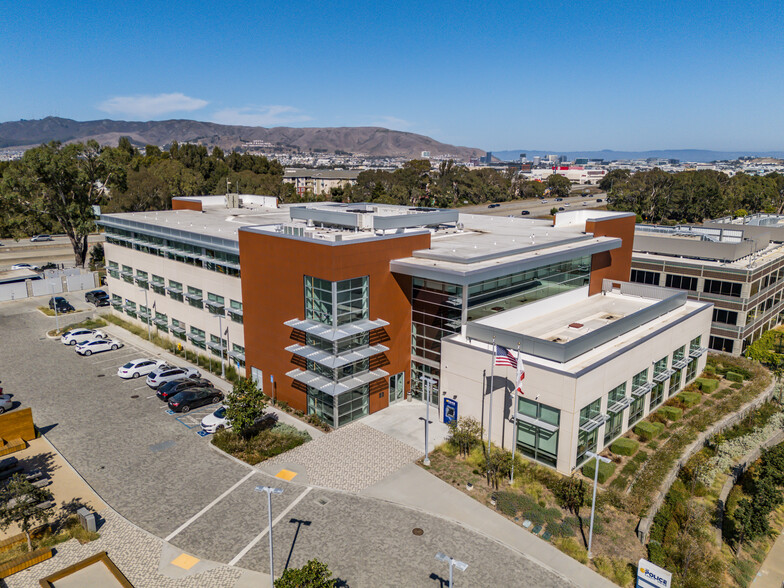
500 75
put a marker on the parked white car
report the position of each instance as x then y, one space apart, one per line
82 335
139 367
30 266
98 346
5 403
217 420
168 373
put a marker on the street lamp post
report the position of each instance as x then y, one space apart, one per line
220 337
270 491
452 563
598 458
427 384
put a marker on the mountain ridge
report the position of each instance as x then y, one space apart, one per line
371 141
695 155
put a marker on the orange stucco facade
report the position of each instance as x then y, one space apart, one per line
273 269
181 204
615 264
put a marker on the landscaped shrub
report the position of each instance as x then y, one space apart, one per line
736 385
563 529
620 482
630 468
573 549
689 399
707 385
671 412
264 445
734 377
506 502
605 470
647 430
624 446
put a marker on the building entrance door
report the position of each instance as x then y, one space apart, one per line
397 387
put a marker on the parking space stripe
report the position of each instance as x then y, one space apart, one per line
260 536
185 525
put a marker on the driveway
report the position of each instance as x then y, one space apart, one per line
161 475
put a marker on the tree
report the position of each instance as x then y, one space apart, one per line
465 434
559 185
571 494
97 256
314 574
554 211
245 405
62 183
497 465
19 502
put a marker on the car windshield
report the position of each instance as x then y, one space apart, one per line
128 365
220 413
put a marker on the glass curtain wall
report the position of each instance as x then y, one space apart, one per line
535 441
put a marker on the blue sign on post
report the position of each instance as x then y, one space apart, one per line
450 410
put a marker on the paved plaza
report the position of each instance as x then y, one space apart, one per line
154 470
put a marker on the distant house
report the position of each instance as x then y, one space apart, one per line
319 181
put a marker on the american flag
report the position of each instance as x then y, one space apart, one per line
505 357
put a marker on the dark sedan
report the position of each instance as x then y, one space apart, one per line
169 389
194 397
97 297
60 304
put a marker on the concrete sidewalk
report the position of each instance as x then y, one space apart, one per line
155 352
414 487
771 574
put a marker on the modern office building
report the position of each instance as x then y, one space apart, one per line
736 264
339 309
595 364
319 181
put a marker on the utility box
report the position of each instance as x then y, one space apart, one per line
87 519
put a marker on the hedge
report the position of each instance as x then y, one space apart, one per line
690 398
707 385
734 377
605 470
624 446
647 430
673 413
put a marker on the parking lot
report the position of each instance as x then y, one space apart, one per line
158 472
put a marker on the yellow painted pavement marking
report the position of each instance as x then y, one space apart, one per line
287 475
185 561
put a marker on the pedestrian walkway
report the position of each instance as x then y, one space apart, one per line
771 574
405 421
350 458
414 487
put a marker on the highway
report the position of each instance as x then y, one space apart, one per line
538 207
58 250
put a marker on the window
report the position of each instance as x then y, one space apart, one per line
197 337
318 300
682 282
694 344
755 287
691 370
353 404
158 284
679 353
337 303
162 322
117 301
660 366
235 311
723 288
538 442
728 317
130 308
194 297
127 274
586 442
217 346
142 279
175 290
643 277
640 379
352 300
657 395
675 382
636 410
215 303
113 269
178 329
322 405
613 426
144 313
721 344
590 411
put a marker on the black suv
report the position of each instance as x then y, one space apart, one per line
169 389
61 304
97 297
194 397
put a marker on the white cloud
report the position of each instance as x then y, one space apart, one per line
392 122
260 116
150 106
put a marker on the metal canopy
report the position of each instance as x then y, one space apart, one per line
335 361
335 333
237 355
642 389
697 352
681 363
176 329
619 405
594 423
536 422
331 387
171 290
662 376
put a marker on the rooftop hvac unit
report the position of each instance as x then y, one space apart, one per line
232 200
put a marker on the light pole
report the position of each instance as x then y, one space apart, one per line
270 491
427 385
56 316
452 563
599 458
220 337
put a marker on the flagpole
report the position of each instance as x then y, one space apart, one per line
514 412
490 413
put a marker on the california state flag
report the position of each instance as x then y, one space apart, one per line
520 374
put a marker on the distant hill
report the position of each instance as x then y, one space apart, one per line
696 155
373 141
